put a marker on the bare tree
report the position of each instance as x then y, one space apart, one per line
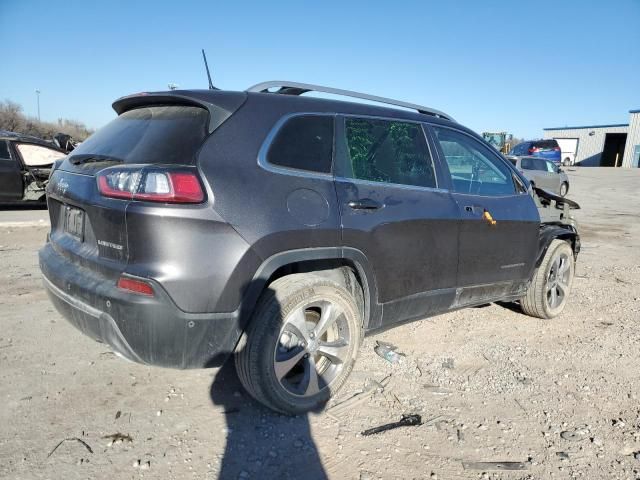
13 119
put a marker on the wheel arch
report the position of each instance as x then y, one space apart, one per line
326 261
548 233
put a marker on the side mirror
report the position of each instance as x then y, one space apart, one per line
560 170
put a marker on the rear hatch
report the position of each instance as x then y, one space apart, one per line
546 149
152 132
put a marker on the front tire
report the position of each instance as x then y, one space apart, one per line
564 189
551 283
301 344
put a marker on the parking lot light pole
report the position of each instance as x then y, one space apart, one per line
38 100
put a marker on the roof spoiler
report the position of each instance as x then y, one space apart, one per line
226 103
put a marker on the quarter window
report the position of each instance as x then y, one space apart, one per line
304 142
4 151
387 151
473 168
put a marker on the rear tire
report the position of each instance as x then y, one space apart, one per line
566 162
301 344
551 283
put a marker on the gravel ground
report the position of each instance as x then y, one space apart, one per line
557 398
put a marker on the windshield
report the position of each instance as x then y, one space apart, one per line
156 134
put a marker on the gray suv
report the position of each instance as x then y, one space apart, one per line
280 229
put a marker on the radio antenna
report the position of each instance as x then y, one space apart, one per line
206 66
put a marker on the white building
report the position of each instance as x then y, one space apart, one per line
601 145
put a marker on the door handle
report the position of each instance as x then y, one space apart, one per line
482 212
365 204
488 218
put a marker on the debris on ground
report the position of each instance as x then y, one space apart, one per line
411 420
575 435
485 466
371 387
118 437
388 352
448 363
142 465
71 439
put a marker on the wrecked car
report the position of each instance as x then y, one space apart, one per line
25 165
279 229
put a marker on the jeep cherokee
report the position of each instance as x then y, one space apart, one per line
280 228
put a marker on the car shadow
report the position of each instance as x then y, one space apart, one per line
24 206
261 443
513 306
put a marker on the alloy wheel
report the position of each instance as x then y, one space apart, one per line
312 348
558 281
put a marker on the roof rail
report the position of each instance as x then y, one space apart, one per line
295 88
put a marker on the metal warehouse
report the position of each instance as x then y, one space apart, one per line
600 145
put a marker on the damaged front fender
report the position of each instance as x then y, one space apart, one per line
556 221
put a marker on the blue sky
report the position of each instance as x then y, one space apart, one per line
493 65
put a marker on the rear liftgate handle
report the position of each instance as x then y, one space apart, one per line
365 204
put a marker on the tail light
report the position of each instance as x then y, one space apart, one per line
533 149
135 286
556 149
151 184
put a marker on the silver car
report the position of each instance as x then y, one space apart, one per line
543 173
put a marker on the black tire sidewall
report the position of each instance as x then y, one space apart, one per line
264 341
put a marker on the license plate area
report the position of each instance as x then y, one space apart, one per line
74 222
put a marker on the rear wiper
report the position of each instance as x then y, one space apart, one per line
93 158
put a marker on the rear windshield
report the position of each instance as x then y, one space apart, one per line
546 144
156 134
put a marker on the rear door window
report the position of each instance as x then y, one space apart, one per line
387 151
527 164
162 134
304 142
473 167
540 165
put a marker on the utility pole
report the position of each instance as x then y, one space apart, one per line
38 99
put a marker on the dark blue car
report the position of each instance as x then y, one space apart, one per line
547 149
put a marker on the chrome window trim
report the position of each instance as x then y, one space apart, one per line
266 144
387 184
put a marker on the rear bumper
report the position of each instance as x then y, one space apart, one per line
149 330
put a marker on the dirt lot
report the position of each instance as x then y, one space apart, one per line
560 397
